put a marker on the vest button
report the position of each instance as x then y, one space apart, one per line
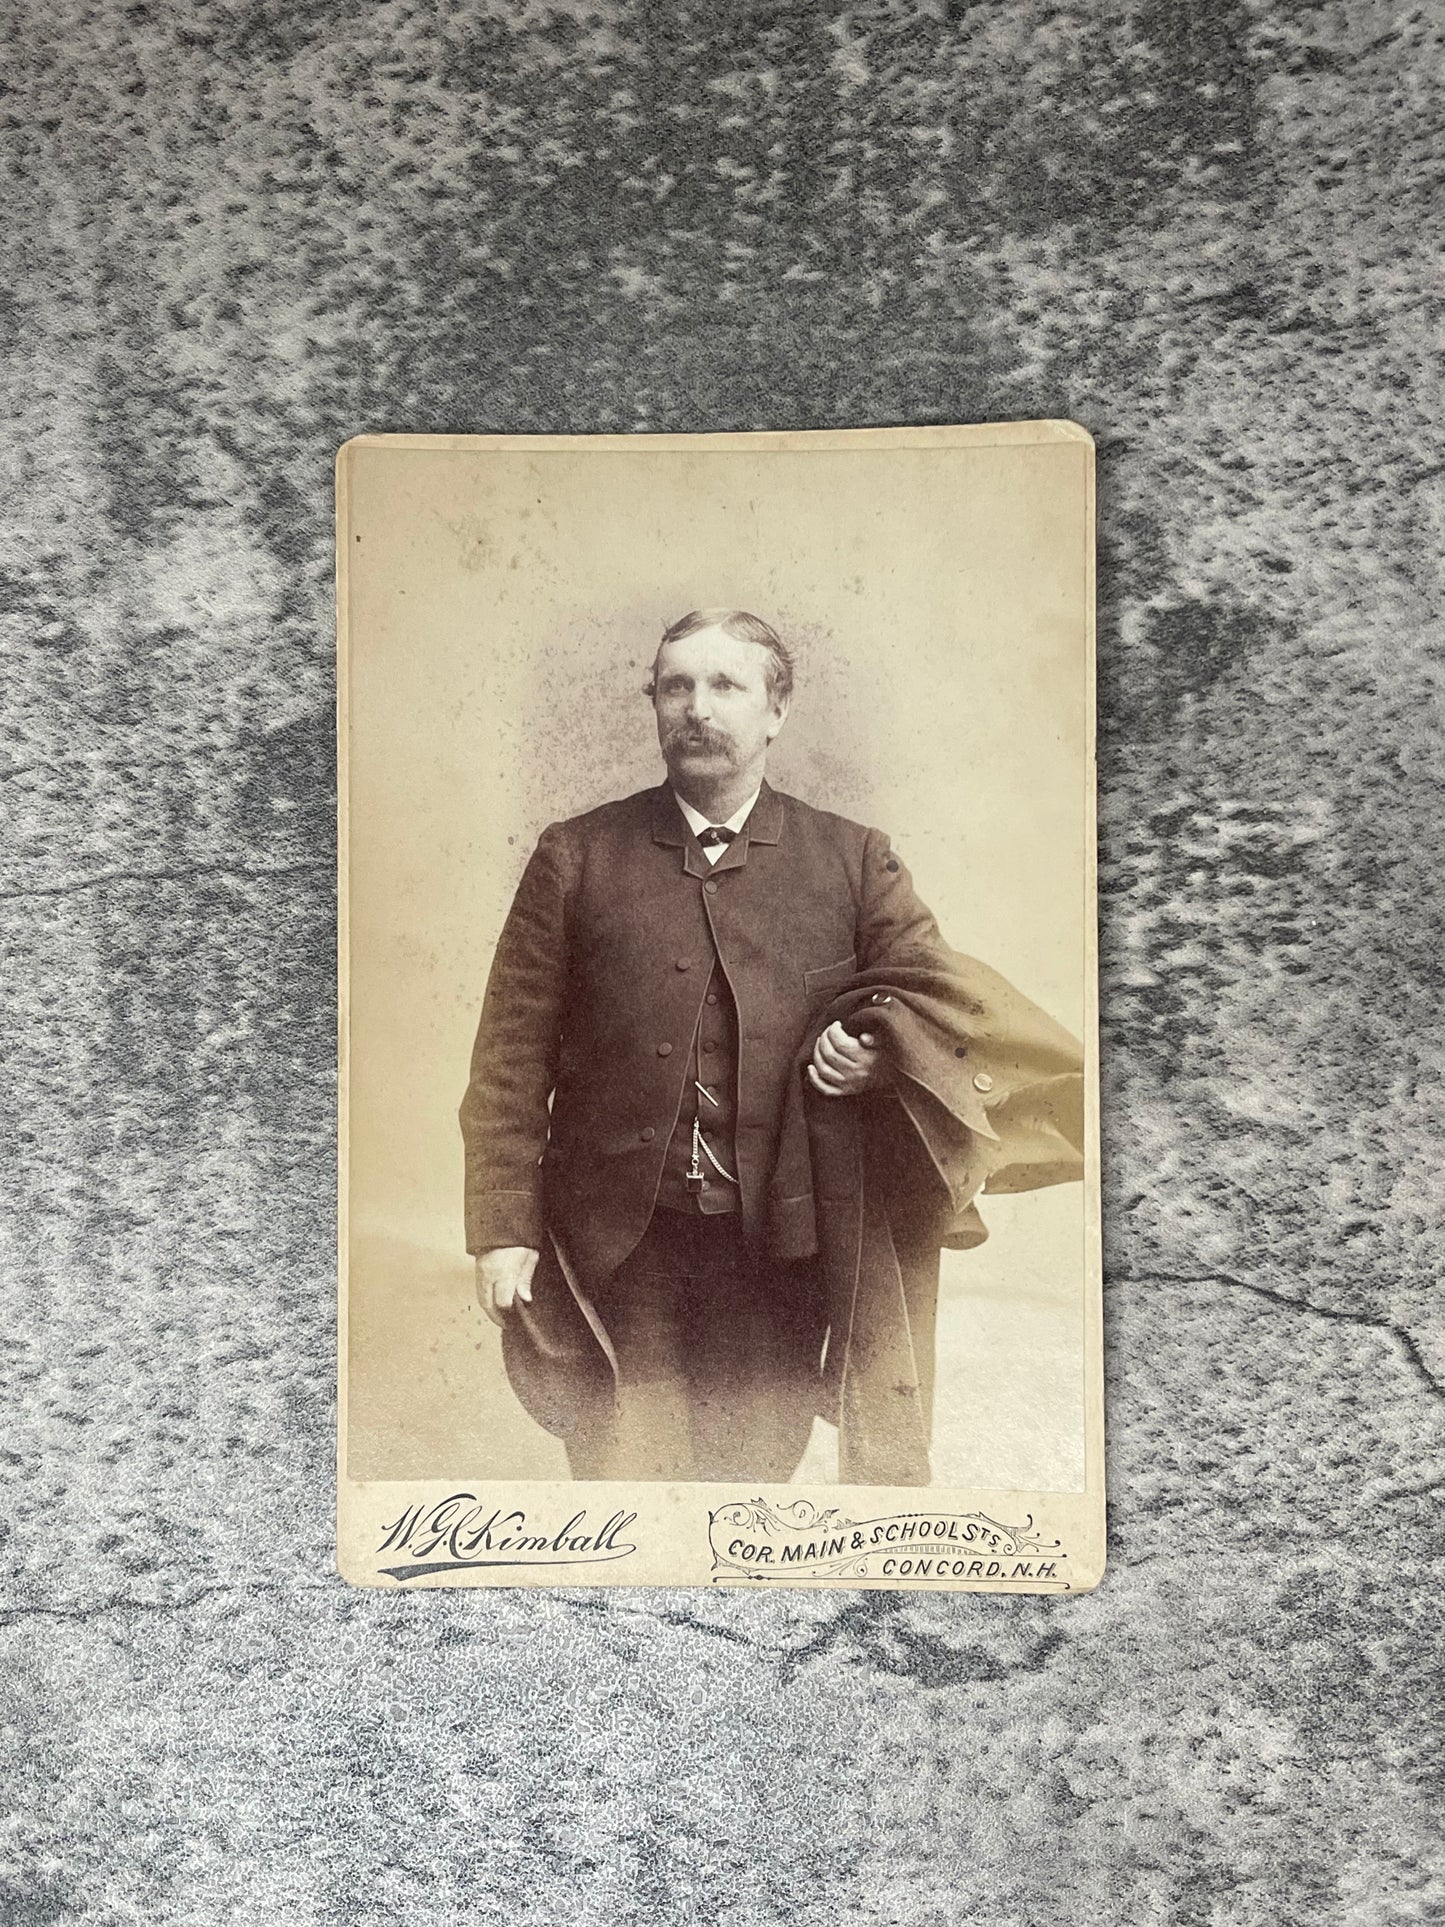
647 1134
664 1050
982 1081
712 996
684 963
709 1046
711 886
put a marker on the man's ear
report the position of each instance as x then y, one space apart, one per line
780 715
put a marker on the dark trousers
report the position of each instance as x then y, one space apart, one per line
718 1351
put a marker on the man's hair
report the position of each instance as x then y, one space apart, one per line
742 627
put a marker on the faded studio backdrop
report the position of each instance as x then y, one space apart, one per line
504 605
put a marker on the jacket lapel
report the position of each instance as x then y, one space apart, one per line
670 828
764 825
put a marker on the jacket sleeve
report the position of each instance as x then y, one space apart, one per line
504 1115
894 925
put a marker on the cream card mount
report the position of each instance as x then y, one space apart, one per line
719 1127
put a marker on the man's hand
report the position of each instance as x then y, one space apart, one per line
844 1065
503 1276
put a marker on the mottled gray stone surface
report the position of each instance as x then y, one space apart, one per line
242 230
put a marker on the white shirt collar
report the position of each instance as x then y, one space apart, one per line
698 823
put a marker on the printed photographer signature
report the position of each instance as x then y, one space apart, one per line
456 1528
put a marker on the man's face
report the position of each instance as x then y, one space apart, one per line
715 714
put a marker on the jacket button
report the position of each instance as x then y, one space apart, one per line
982 1081
647 1134
684 963
664 1050
711 886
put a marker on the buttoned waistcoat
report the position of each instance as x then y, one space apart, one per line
583 1053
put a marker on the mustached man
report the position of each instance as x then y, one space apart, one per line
731 1091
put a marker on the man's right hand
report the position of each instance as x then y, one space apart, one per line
503 1276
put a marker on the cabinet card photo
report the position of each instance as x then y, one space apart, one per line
720 1177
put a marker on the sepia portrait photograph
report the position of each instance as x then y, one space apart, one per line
719 1170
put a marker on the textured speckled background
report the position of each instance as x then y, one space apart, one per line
239 233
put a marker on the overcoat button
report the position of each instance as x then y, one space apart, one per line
684 963
982 1081
648 1134
664 1050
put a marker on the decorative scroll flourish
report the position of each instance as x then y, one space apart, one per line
756 1540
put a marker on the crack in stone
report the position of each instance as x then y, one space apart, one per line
161 876
618 1608
871 1626
108 761
1413 1355
1388 1497
11 1615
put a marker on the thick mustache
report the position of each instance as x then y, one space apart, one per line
689 737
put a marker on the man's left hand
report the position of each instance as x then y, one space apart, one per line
844 1065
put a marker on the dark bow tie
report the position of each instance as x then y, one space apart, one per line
715 833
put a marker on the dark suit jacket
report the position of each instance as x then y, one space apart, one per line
596 989
592 1003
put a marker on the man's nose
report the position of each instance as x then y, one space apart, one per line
699 705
